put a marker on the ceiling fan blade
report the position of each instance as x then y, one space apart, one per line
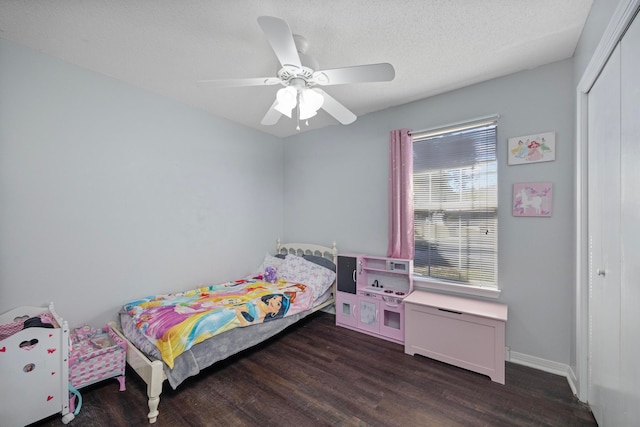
257 81
335 109
382 72
272 116
281 40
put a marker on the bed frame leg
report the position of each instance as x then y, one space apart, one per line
153 409
151 372
154 388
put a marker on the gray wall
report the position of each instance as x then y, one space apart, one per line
597 21
109 193
336 184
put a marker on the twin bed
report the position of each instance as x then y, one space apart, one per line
173 337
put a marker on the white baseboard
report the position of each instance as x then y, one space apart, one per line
539 363
330 309
546 366
573 382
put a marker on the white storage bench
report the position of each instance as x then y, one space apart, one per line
460 331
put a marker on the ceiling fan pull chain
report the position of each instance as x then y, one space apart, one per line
299 98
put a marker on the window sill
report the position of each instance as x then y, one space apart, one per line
433 285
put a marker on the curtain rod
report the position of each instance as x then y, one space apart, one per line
465 124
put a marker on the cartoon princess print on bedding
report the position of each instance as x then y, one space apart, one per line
176 322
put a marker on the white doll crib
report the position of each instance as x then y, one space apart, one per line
34 367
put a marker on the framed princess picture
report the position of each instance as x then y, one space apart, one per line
540 147
532 199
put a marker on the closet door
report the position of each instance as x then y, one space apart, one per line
604 240
630 175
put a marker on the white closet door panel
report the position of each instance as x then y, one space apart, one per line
630 175
604 234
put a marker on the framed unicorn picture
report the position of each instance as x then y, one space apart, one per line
540 147
532 199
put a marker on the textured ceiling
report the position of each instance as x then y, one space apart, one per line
165 46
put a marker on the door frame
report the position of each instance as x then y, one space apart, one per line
620 21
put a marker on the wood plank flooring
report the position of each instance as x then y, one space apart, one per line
318 374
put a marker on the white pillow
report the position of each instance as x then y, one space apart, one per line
269 261
296 269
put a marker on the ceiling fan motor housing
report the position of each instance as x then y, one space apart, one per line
290 74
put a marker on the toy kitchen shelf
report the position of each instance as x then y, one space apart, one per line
370 294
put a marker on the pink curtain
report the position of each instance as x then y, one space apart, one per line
401 195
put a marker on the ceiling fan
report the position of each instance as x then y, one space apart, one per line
300 77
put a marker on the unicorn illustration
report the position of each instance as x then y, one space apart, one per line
535 202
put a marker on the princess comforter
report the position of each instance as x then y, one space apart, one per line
176 322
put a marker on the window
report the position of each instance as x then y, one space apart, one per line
455 185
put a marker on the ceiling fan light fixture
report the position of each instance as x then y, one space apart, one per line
286 98
306 113
310 103
301 78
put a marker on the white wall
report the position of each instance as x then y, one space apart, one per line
109 193
535 254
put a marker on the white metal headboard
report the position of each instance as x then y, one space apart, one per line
308 249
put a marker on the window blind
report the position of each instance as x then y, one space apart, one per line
456 206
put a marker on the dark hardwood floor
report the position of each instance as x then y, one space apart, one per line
317 374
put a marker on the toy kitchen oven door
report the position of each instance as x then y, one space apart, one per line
372 299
